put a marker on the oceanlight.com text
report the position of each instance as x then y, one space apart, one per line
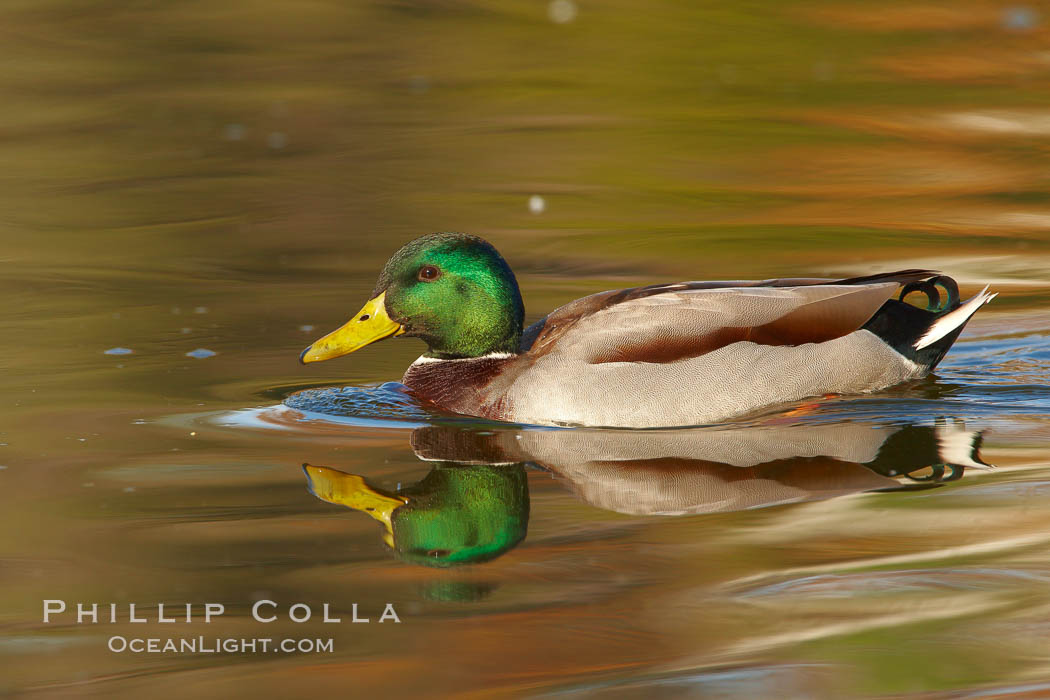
216 645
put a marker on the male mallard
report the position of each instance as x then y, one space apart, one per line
661 355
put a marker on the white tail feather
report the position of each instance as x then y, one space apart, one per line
952 320
957 445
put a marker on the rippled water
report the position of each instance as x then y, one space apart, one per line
194 192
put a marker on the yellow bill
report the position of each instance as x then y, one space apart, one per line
370 324
351 491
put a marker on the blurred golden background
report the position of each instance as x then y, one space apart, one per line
229 178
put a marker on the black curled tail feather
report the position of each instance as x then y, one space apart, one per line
924 335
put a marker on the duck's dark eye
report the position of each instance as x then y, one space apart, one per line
429 273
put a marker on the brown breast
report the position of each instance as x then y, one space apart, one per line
475 386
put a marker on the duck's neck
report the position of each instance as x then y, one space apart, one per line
478 330
469 348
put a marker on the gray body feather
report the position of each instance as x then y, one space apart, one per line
733 380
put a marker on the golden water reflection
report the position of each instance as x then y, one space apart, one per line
227 176
473 505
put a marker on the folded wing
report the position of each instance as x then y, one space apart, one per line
674 322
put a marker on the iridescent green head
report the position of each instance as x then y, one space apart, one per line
452 290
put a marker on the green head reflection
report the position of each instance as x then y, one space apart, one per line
458 514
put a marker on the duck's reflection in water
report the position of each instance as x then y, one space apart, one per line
474 504
458 514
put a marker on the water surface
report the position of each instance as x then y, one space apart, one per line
194 192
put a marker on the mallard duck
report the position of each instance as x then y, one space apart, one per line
661 355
